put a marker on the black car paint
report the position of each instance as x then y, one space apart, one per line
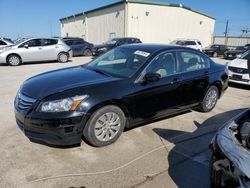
140 101
220 50
102 48
232 54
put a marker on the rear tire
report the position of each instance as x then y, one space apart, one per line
14 60
210 99
104 126
87 52
63 57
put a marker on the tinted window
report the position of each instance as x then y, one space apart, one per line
48 42
163 64
191 61
190 43
32 43
2 42
68 42
246 55
199 42
80 41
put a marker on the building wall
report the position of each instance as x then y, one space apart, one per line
106 23
74 27
165 24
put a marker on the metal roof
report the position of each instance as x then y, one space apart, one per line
147 2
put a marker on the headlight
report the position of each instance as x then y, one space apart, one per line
62 105
103 49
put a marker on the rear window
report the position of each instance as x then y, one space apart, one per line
2 42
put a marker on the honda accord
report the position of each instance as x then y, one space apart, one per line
127 86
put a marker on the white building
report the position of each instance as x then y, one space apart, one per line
151 22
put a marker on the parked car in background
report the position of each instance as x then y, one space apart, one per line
195 44
127 86
79 46
36 49
5 42
247 45
238 69
232 54
215 50
229 164
100 49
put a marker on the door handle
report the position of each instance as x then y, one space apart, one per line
57 47
40 48
175 80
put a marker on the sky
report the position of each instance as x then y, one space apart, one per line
20 18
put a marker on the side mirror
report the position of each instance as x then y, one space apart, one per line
26 46
152 77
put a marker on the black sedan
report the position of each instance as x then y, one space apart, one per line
216 50
79 46
113 43
127 86
232 54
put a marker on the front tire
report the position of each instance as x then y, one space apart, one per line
210 99
14 60
105 126
63 57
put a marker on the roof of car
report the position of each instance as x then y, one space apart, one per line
151 48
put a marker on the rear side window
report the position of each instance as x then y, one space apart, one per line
68 42
48 42
190 43
191 61
199 42
80 41
2 42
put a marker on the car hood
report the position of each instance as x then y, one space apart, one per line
103 46
240 63
232 148
52 82
6 47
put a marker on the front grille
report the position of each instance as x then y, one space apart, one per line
238 70
23 102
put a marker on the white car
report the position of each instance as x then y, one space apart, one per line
191 43
238 70
5 42
35 49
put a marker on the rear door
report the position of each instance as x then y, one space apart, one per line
50 49
194 68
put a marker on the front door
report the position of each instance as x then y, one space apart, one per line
155 99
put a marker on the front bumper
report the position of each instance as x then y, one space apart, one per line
239 78
52 129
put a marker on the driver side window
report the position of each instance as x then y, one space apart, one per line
32 43
163 64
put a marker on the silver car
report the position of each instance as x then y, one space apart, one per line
35 49
5 42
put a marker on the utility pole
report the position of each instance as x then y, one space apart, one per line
226 33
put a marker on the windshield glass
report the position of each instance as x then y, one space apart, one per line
112 41
214 46
246 55
120 62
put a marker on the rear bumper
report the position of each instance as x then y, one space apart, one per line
51 131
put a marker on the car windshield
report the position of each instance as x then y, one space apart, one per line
120 62
112 41
214 46
246 55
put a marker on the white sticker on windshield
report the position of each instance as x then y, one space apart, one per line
141 53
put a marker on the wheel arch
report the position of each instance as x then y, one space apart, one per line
14 54
218 85
114 102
